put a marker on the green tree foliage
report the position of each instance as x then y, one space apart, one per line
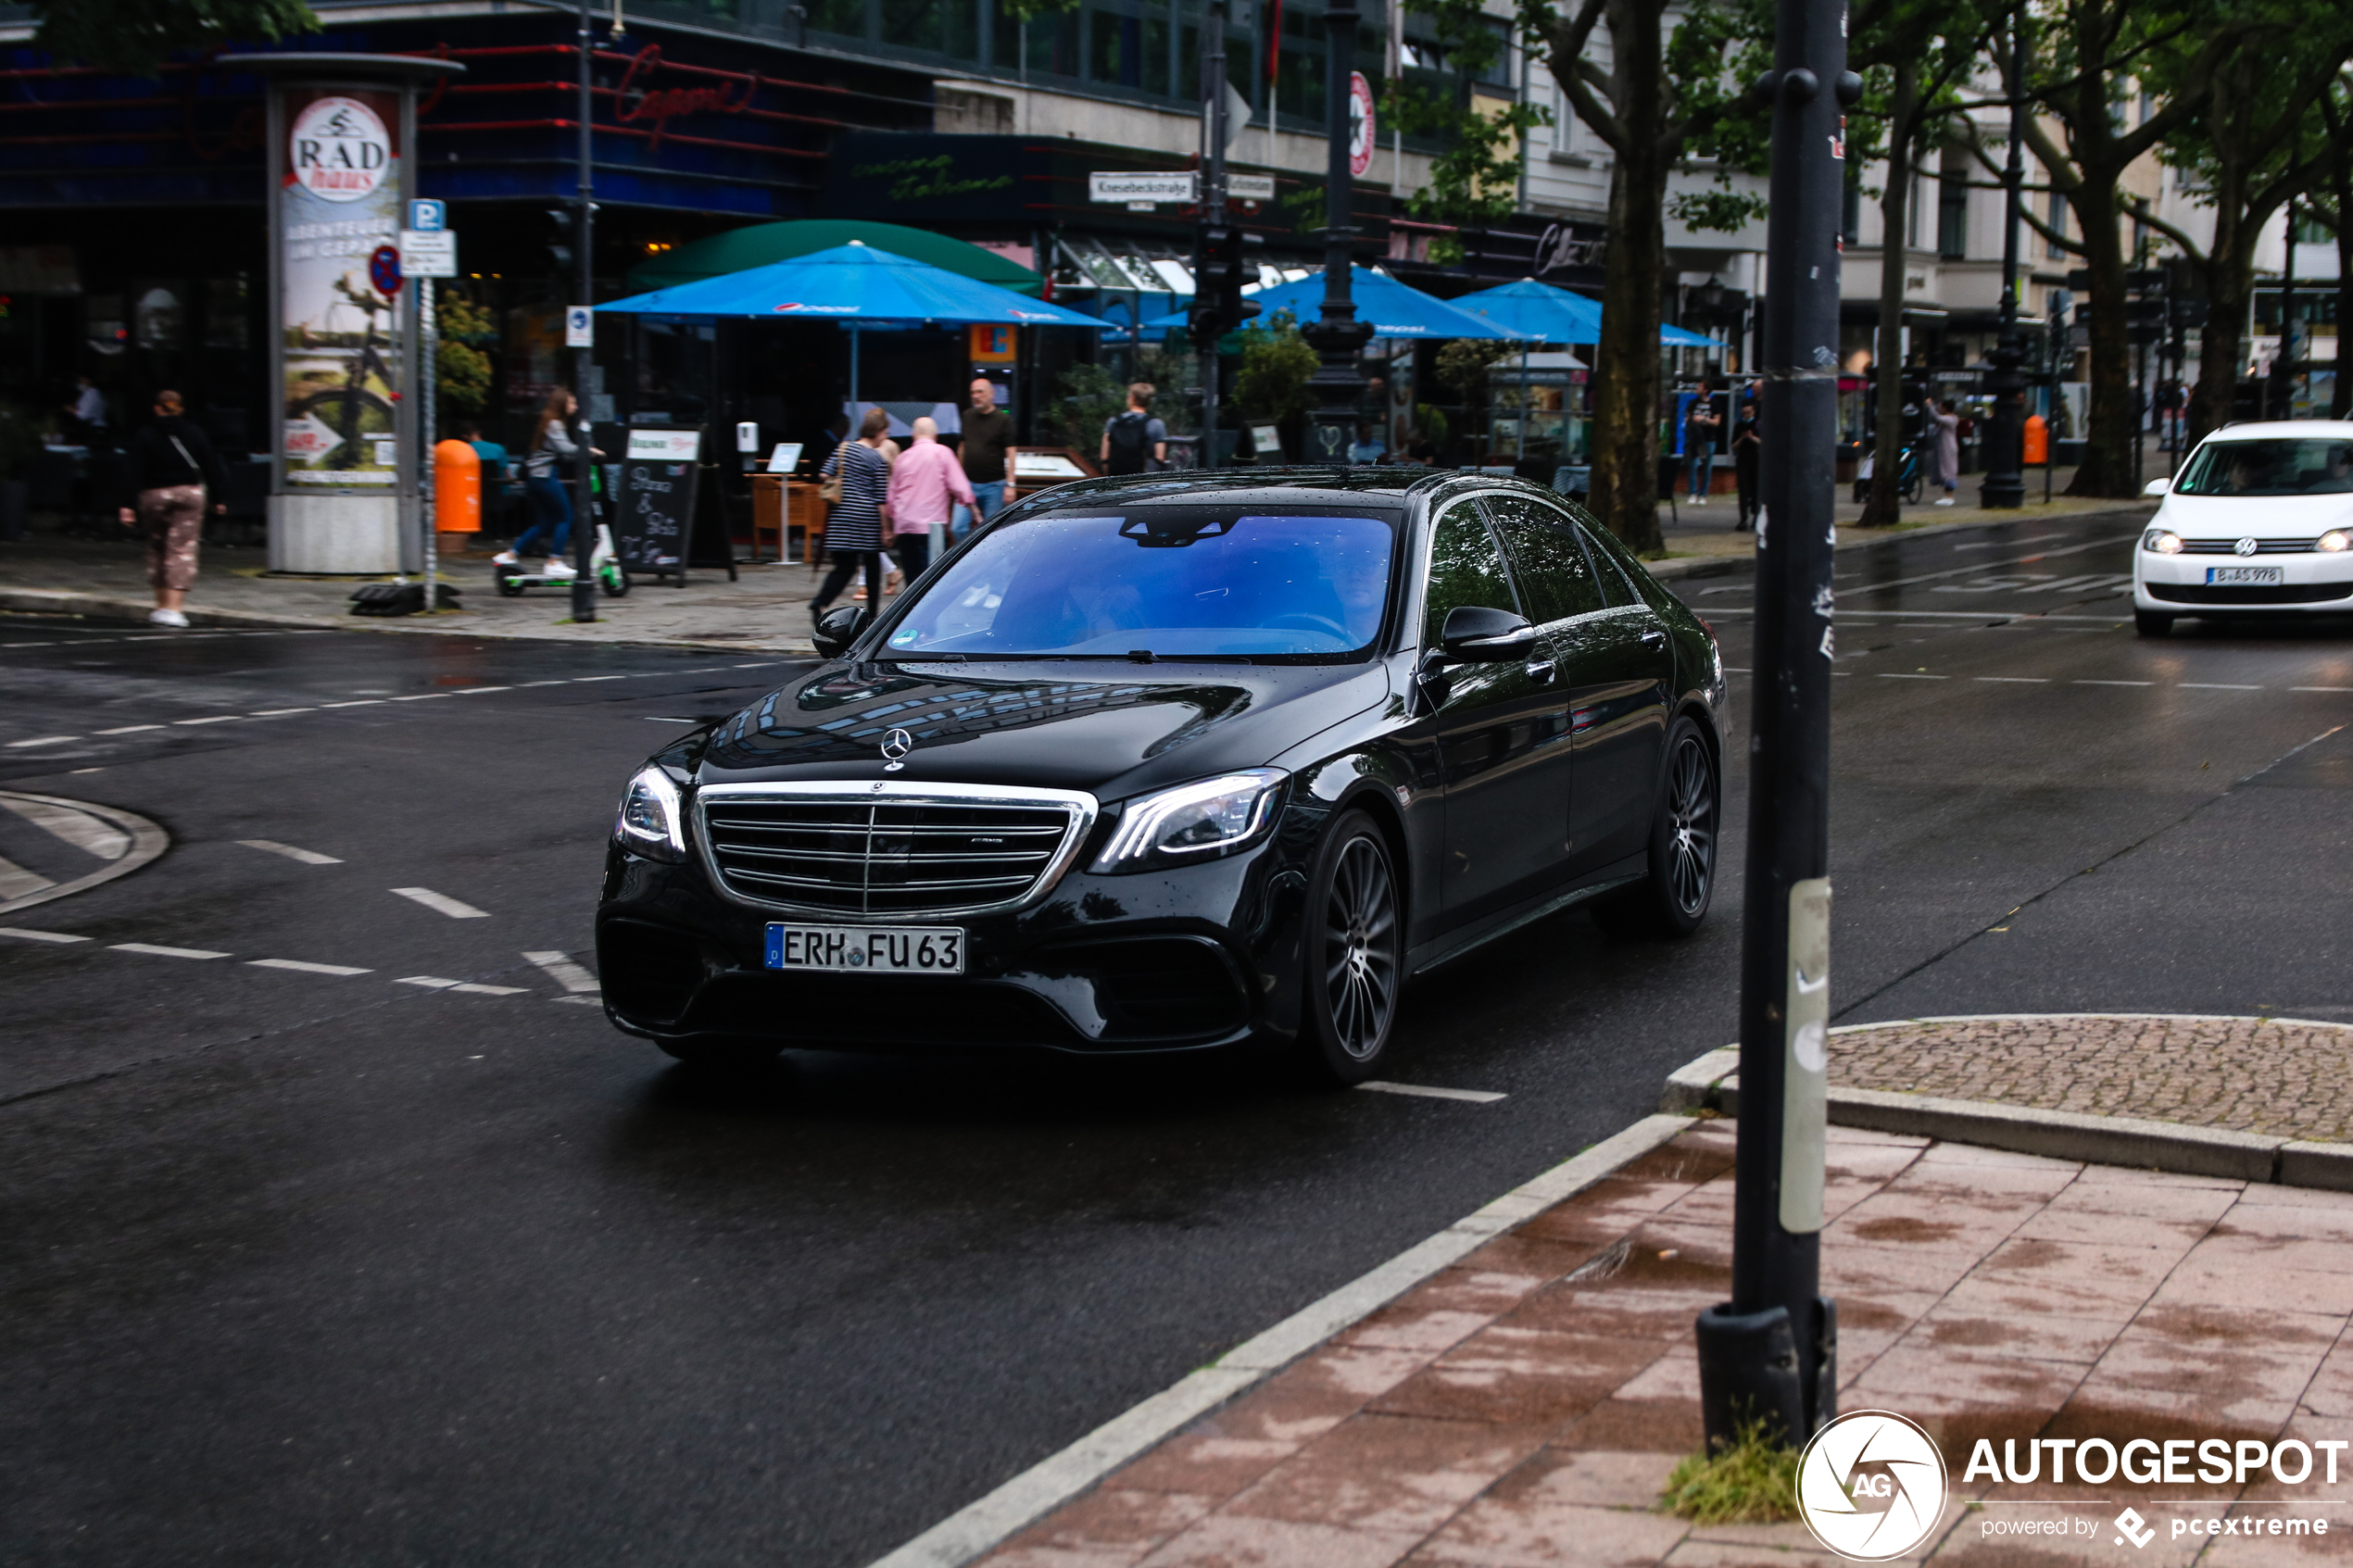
1475 183
461 361
1463 367
1088 396
135 36
1277 362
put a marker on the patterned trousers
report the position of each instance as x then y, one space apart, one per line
173 519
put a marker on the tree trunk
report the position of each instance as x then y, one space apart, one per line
2108 448
1885 506
2341 387
2229 279
1626 372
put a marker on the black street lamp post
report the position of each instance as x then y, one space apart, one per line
2005 485
1771 1353
584 506
1339 337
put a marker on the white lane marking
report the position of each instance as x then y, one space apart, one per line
1429 1091
1738 669
308 857
2015 680
665 718
154 951
279 713
41 740
1898 675
564 972
2011 544
441 903
477 691
2214 686
2112 683
2320 688
216 719
362 702
577 679
423 696
15 882
22 935
596 1001
91 835
1052 1481
435 983
305 968
131 729
544 682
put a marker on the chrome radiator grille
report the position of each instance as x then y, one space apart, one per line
2262 546
885 855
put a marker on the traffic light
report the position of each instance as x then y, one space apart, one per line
1220 277
562 234
2145 318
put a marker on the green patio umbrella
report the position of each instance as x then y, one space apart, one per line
741 249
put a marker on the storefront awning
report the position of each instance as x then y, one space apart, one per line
762 243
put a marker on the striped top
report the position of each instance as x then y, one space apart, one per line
856 523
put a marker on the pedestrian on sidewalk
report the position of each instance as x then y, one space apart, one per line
1699 444
1944 444
1133 441
552 450
1748 445
986 449
87 413
926 483
853 534
171 464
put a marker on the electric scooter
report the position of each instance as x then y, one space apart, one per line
604 565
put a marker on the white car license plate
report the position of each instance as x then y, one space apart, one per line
870 949
2245 575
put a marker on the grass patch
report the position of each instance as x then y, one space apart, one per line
1751 1482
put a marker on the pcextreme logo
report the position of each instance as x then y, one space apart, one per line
1872 1485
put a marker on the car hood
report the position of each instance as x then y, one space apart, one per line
1108 727
2264 517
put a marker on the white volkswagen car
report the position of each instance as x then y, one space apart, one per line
2260 521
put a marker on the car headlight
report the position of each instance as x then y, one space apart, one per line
1193 822
2162 542
651 820
2334 539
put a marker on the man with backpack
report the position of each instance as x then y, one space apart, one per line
1133 441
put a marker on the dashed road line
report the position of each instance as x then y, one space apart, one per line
421 697
1899 675
305 967
279 713
22 935
41 740
15 882
578 680
561 969
88 834
362 702
216 719
2214 686
435 983
1429 1091
477 691
2015 680
2320 688
131 729
2088 683
152 950
308 857
441 903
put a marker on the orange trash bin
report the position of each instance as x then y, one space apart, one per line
457 488
2038 440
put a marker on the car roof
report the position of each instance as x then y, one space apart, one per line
2280 430
1299 486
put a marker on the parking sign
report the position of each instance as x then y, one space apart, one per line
428 217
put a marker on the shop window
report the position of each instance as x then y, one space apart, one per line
1189 61
1116 53
1952 215
845 16
1156 55
1005 38
912 24
962 25
2056 218
674 371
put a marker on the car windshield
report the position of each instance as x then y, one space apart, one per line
2269 467
1175 581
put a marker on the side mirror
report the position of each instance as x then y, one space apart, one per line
1477 635
2158 487
837 629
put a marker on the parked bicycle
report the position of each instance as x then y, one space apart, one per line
351 410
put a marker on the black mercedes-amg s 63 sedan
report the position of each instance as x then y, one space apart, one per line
1175 761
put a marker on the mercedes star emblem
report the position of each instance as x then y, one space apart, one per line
896 745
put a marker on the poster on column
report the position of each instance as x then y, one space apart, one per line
338 204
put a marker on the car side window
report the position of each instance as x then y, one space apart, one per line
1465 567
1551 567
1616 590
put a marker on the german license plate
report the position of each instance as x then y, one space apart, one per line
2243 576
869 949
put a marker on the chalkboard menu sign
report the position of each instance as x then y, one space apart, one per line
656 501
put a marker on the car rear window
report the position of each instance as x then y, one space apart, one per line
2279 467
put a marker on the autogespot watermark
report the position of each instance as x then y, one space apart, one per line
1872 1485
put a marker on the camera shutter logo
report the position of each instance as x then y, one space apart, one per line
1872 1485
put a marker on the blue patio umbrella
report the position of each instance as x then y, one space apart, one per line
1555 315
856 285
1392 309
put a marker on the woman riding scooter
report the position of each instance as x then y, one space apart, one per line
552 447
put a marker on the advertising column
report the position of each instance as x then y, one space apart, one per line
344 493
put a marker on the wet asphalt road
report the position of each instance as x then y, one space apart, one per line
312 1267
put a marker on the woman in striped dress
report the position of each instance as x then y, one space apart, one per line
854 531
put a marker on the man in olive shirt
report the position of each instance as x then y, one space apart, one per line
985 450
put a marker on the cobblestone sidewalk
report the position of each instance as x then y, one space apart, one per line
2283 1077
1523 1409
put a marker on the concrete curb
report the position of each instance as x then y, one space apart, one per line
68 601
982 1526
1712 1083
1719 566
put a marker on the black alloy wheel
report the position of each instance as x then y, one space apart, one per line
1354 949
1672 898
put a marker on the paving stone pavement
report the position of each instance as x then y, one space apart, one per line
2284 1078
1523 1409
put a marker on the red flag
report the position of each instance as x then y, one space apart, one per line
1274 50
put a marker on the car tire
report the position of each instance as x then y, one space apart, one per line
1672 898
1354 954
2152 624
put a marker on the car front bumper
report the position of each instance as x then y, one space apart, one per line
2310 583
1181 959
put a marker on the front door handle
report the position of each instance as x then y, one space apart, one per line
1651 639
1541 670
